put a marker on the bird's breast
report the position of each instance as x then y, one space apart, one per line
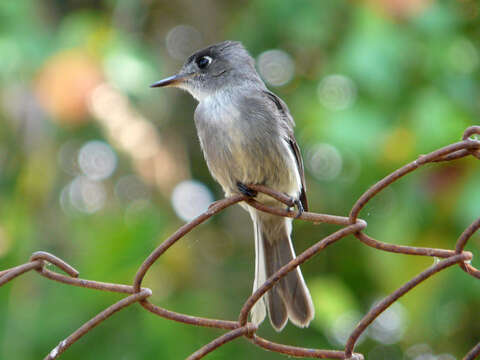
238 148
220 125
222 135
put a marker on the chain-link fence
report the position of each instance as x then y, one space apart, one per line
241 327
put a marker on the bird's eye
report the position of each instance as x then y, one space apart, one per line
204 61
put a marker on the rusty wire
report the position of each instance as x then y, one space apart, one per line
242 328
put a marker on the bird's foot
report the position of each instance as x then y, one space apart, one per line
245 190
298 204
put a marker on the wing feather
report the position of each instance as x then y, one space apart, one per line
283 109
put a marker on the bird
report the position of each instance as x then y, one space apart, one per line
246 135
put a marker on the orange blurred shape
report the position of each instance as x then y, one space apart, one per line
402 8
64 84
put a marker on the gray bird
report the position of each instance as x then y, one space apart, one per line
246 134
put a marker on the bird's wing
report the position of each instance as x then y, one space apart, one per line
289 124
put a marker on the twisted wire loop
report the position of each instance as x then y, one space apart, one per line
351 225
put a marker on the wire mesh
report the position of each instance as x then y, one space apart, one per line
241 327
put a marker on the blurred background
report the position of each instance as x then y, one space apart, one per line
98 169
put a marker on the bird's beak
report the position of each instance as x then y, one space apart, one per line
174 80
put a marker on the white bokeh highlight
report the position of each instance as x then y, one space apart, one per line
276 67
337 92
83 195
190 198
343 327
97 160
389 327
182 41
324 161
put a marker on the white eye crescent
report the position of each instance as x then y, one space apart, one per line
204 61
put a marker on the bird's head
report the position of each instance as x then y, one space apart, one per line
226 64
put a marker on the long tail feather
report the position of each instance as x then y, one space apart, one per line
289 298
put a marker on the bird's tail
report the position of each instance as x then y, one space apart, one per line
289 298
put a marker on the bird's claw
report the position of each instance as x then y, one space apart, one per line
245 190
299 205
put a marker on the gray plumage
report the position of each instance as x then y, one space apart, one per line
246 134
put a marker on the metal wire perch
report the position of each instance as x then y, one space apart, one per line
241 327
